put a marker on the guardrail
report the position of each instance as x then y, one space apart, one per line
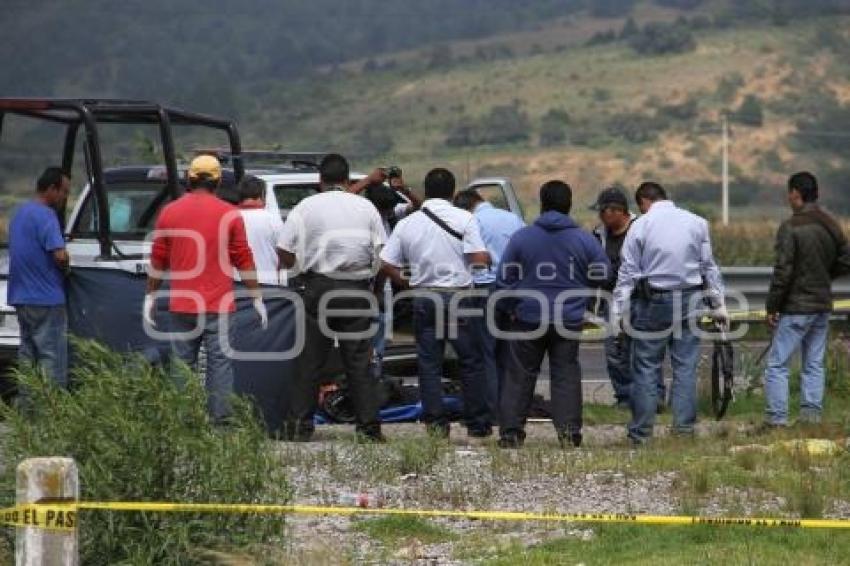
754 283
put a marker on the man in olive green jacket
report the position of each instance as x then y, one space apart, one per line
811 250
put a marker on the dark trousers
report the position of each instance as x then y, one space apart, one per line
488 345
523 358
362 388
430 346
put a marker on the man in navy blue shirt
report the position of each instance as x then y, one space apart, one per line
37 260
550 268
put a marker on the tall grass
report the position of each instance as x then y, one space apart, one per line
748 242
744 243
138 437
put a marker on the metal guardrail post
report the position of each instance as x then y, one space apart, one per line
43 480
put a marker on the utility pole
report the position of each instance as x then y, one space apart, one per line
725 189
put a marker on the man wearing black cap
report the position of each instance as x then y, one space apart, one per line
615 219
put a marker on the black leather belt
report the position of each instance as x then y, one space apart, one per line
654 291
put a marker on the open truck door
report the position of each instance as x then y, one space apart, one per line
108 238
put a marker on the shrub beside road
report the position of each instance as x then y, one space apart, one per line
137 437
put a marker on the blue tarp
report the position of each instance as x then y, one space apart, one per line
406 413
106 305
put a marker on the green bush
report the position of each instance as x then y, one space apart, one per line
138 437
635 127
553 127
729 85
504 124
750 113
661 38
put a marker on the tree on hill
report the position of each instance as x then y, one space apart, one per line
630 29
749 113
659 38
826 128
553 127
503 124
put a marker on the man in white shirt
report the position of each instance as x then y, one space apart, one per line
440 243
667 271
263 229
331 240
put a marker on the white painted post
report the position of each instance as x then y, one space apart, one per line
47 480
725 196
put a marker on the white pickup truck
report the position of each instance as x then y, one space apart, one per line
136 194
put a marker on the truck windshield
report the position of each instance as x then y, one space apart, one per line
290 195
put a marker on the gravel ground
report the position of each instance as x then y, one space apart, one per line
465 477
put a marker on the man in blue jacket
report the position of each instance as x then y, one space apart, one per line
549 269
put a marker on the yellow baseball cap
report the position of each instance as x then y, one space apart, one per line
205 165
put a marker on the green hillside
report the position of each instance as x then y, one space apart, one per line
596 92
600 114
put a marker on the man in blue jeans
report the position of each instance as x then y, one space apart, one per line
811 250
667 272
440 243
497 226
37 260
198 241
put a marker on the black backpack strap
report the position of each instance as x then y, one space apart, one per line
441 223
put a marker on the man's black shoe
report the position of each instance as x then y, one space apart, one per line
511 441
479 432
570 439
376 437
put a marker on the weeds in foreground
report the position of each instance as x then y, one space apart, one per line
392 531
668 546
138 437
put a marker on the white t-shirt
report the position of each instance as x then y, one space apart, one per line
264 231
436 257
335 233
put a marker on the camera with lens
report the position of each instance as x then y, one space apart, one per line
392 172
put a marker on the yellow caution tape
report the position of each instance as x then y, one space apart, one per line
736 316
54 517
64 517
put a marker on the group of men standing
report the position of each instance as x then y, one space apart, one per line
505 295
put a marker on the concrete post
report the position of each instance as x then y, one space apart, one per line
47 480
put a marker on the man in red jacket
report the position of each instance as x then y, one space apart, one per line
199 239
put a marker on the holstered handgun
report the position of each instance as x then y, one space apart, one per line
642 289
